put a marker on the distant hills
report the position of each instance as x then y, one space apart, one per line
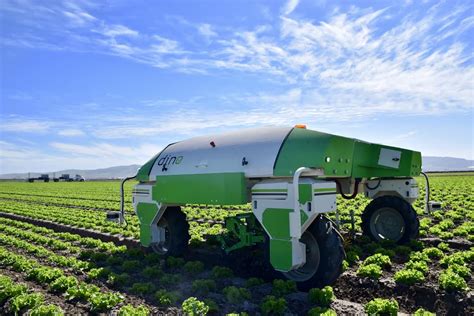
119 172
447 164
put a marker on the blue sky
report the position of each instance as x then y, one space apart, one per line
90 84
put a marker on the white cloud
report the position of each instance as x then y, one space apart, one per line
206 30
117 30
17 158
24 126
71 132
79 18
289 6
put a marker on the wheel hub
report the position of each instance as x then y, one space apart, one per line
387 224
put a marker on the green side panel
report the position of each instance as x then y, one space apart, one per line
281 256
277 222
366 156
143 174
307 148
303 217
146 213
212 188
305 194
340 156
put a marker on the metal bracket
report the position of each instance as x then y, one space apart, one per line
242 232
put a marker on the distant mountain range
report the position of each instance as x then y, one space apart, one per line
119 172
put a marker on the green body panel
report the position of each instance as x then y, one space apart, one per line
366 162
281 256
143 174
277 223
340 156
303 217
211 188
146 213
306 148
305 194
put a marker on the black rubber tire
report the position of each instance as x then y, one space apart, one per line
331 251
178 228
408 213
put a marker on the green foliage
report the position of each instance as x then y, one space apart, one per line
142 288
403 250
352 257
131 265
62 283
47 310
251 282
194 307
44 275
203 286
462 271
81 291
457 258
118 279
219 272
166 298
421 266
419 256
423 312
283 287
321 311
443 246
273 306
174 262
194 267
433 253
381 260
416 245
213 307
386 252
26 301
9 289
153 272
345 265
170 279
409 276
235 295
96 273
129 310
321 297
104 301
380 306
372 271
452 282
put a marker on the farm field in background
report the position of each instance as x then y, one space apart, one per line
57 252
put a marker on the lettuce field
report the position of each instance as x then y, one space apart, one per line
58 255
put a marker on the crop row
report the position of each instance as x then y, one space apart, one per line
57 282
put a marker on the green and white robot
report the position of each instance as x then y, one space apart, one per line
291 177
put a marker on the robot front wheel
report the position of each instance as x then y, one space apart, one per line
390 218
324 256
176 228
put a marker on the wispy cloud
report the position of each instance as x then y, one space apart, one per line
116 30
289 6
24 125
71 132
18 158
206 30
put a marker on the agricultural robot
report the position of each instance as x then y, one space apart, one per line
291 177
